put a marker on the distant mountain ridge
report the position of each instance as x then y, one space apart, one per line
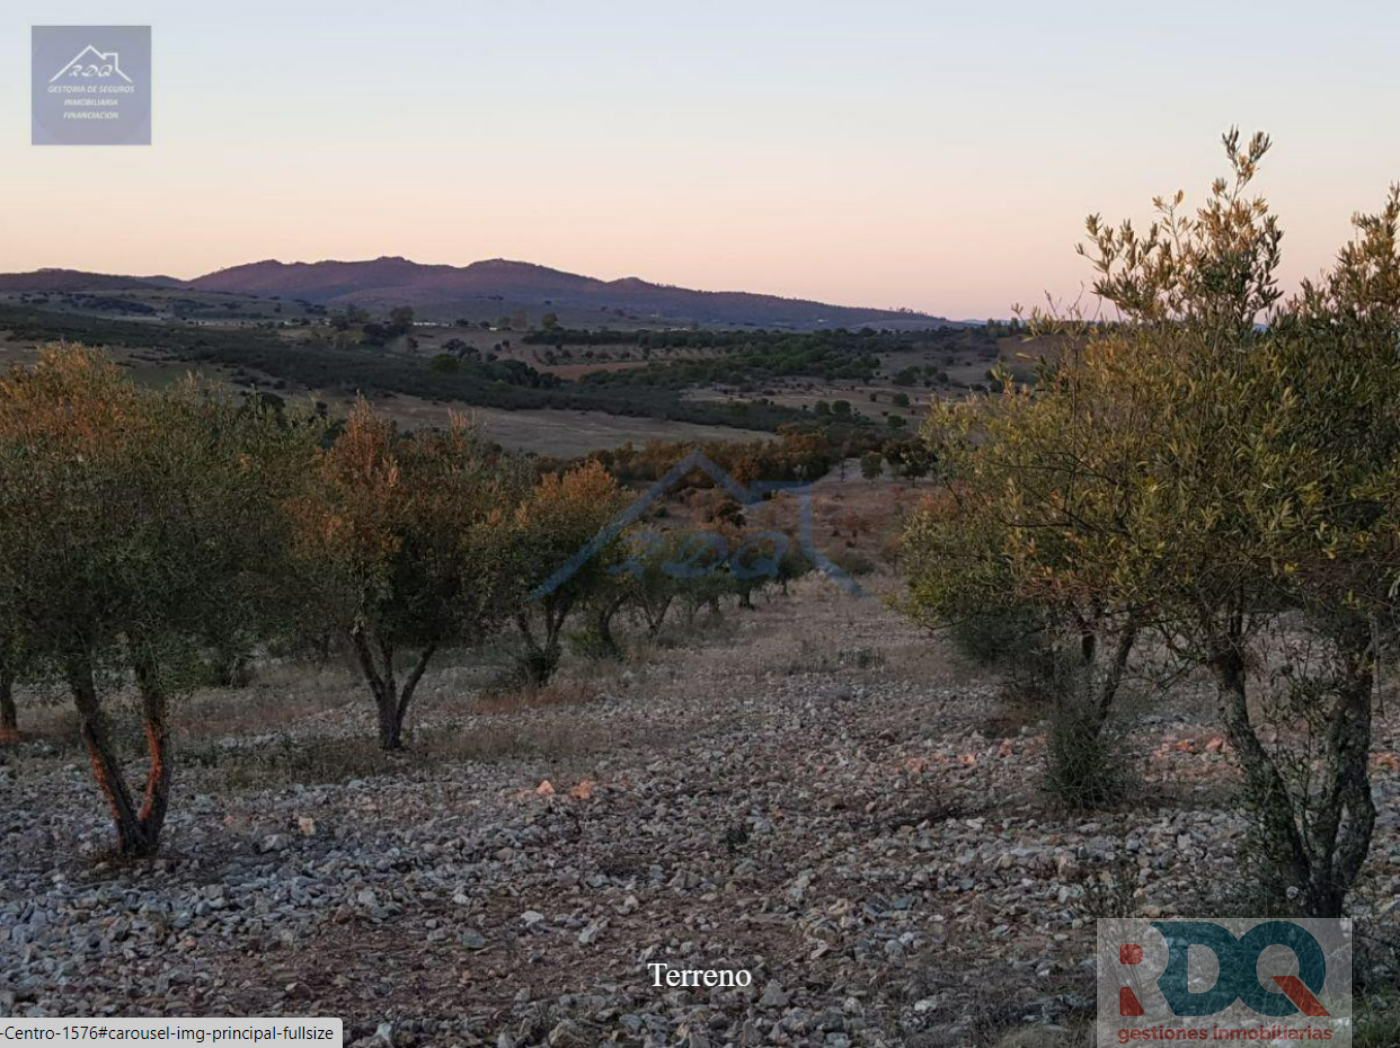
77 280
487 290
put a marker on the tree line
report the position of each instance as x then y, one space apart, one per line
268 360
147 532
865 340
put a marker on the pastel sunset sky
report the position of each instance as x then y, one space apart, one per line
930 155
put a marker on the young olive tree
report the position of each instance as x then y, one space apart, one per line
130 522
398 543
1226 482
1270 507
551 528
1017 553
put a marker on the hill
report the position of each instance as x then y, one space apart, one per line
489 290
76 281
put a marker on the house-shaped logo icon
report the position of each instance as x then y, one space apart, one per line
745 495
92 64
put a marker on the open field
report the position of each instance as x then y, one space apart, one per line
559 433
814 791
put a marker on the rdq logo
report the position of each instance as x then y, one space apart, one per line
90 63
1260 980
90 85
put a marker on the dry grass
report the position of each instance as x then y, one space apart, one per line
555 693
288 761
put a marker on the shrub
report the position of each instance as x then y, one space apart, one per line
1085 765
1001 636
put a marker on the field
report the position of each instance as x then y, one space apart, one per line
894 750
814 791
561 393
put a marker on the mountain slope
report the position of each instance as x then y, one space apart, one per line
499 285
486 290
57 281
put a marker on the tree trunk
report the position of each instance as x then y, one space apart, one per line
9 716
1108 691
610 646
541 656
655 613
390 703
155 801
1266 790
410 686
1322 852
138 832
1339 837
390 736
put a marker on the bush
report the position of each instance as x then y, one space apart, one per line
1084 758
1000 637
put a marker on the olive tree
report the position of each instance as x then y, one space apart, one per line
1269 508
1243 493
559 559
131 521
398 549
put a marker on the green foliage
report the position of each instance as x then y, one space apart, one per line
795 455
398 545
322 364
760 356
1190 469
1000 637
547 532
138 529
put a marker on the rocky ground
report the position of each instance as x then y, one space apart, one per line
811 792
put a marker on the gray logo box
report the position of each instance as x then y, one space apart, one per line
90 85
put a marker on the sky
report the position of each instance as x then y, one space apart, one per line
935 156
